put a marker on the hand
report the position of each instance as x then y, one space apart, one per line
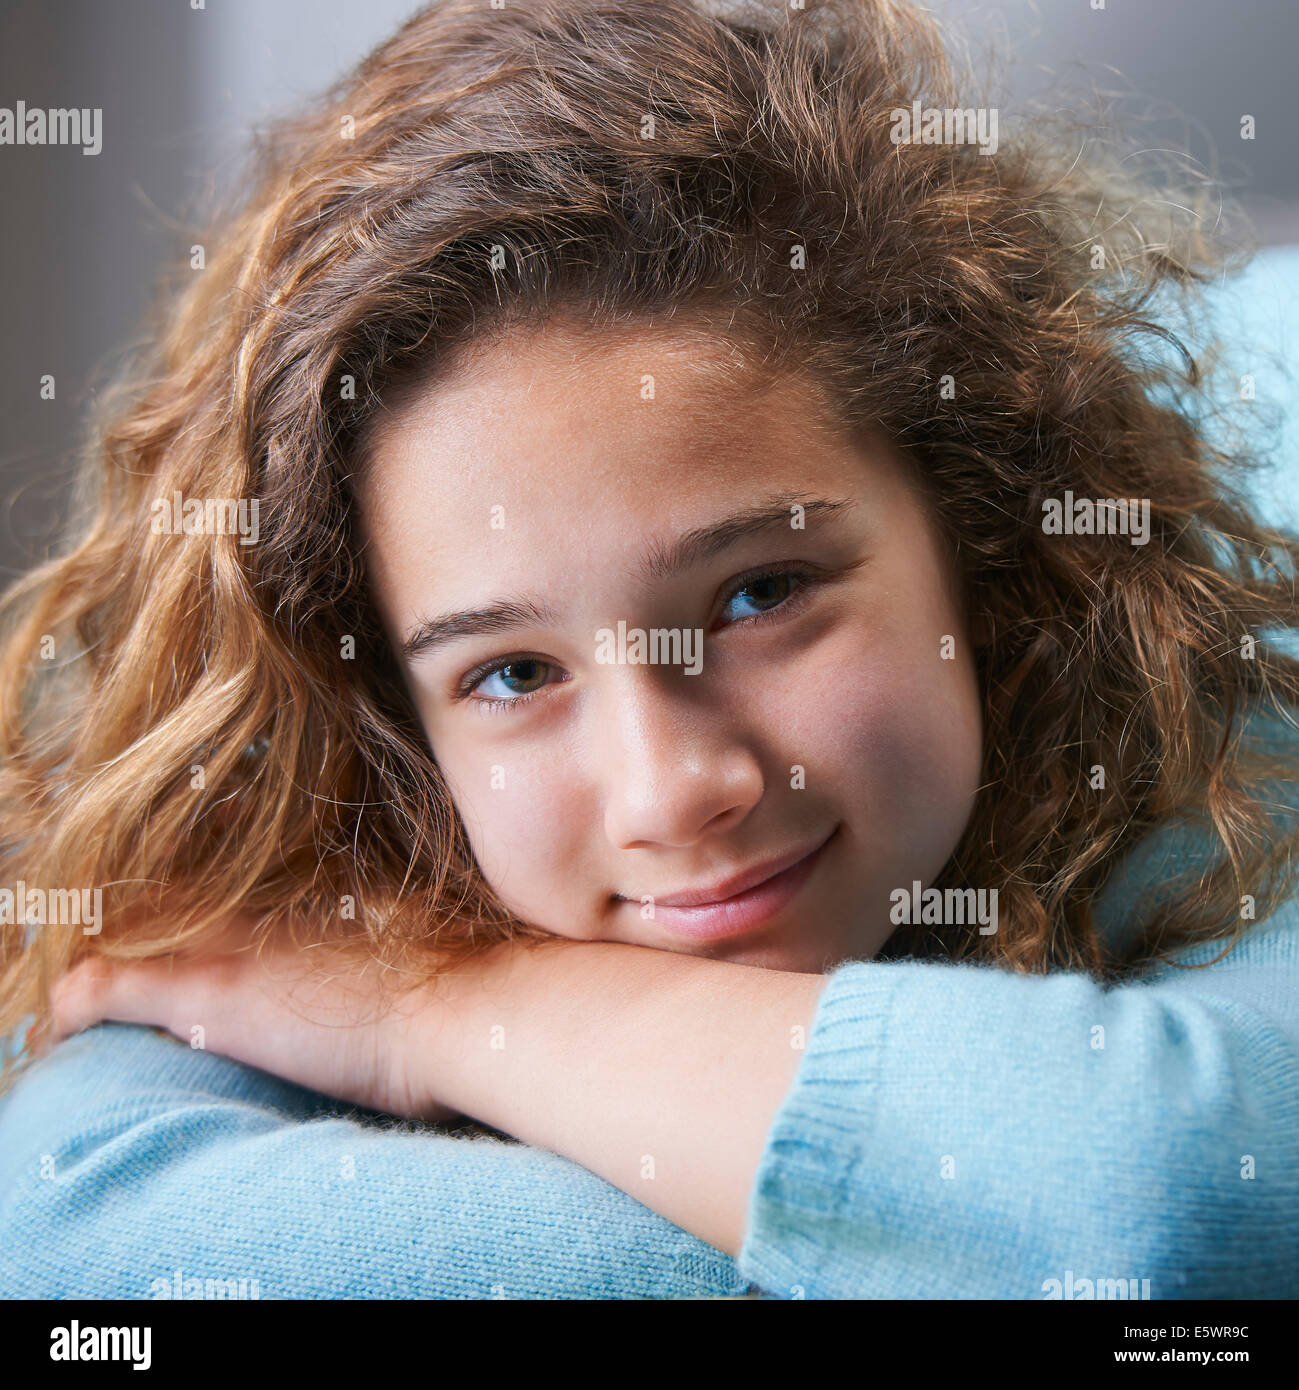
309 1016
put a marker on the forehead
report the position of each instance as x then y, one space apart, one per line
562 411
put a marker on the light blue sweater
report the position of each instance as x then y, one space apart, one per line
953 1131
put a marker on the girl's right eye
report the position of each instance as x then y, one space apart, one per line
511 682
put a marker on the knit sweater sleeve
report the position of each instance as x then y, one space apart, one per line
132 1166
964 1131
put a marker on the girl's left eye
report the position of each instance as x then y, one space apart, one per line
763 593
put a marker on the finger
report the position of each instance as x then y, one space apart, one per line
94 991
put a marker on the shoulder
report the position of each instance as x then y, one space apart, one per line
1147 871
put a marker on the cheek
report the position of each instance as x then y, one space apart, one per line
523 822
921 736
899 730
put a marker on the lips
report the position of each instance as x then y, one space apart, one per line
741 882
742 902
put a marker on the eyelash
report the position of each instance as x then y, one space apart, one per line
809 578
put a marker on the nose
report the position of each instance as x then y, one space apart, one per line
675 768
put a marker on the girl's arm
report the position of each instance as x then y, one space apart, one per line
133 1166
660 1072
950 1130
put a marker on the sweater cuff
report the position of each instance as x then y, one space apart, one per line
813 1149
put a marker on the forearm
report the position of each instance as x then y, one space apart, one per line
658 1071
119 1155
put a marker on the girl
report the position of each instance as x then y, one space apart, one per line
746 673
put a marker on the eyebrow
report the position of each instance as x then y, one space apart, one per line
660 562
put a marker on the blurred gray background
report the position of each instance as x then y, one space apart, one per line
83 238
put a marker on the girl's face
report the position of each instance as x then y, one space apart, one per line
798 739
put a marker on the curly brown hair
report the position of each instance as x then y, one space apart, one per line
200 747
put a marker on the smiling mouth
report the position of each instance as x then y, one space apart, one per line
741 903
